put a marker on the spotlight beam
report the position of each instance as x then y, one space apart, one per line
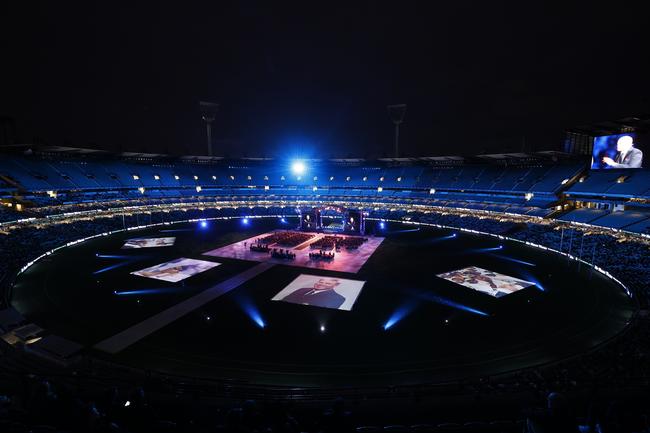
448 302
110 268
513 260
399 314
145 291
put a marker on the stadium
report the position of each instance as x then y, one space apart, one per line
265 217
88 236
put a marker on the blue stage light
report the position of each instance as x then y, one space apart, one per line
109 268
528 277
111 256
382 225
251 311
427 296
203 224
298 167
398 315
510 259
244 221
484 250
255 315
458 306
283 220
145 291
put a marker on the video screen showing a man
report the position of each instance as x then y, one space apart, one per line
321 291
616 151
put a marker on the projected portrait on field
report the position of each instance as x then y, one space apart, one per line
176 270
489 282
321 291
148 243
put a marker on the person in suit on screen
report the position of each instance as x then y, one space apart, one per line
321 294
627 155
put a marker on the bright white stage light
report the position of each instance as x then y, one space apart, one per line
298 167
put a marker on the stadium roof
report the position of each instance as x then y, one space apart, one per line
29 149
639 123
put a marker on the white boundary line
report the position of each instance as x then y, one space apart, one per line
570 256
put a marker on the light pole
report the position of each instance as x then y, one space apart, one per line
397 113
208 113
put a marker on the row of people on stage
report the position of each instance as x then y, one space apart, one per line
321 255
282 254
259 248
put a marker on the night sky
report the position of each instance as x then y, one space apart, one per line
314 78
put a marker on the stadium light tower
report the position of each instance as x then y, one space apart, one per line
397 113
208 113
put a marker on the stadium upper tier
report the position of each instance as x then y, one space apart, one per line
622 183
530 185
38 174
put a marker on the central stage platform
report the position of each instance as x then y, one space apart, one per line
344 261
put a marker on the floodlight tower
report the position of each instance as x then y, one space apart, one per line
397 113
208 113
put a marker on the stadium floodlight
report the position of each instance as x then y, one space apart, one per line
397 113
208 114
298 167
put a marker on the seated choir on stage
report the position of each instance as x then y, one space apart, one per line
259 248
337 242
322 255
286 238
282 254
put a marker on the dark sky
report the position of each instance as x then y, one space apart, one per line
314 78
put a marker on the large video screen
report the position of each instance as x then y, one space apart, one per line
489 282
176 270
148 243
320 291
616 151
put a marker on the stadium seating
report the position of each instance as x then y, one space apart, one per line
530 190
39 174
620 183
